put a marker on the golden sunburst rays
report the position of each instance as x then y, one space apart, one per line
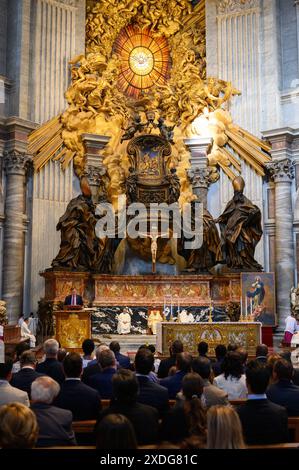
145 60
46 142
253 151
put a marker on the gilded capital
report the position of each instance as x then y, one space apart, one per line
95 173
199 177
281 171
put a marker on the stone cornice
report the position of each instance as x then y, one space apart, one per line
14 121
280 132
14 133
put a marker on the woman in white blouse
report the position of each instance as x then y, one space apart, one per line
232 380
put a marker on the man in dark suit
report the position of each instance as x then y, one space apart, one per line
166 364
174 382
263 422
122 360
55 424
202 349
24 378
150 393
92 369
220 352
73 299
102 381
261 353
83 401
51 366
283 392
144 418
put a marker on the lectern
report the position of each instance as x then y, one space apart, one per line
73 326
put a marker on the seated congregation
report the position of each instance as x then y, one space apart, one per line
101 399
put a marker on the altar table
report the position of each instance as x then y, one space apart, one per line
245 334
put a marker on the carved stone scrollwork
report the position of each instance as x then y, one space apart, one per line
234 6
17 163
94 174
199 177
282 171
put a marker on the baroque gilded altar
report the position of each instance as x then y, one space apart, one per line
247 335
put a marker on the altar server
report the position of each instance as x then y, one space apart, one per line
290 329
26 333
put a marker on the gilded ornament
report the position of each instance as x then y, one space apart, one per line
102 98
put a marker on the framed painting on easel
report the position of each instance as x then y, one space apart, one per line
258 298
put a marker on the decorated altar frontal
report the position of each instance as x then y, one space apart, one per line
247 335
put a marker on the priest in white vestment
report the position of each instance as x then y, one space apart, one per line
26 333
154 318
186 317
124 322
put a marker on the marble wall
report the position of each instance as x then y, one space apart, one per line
59 35
289 80
104 319
37 40
233 54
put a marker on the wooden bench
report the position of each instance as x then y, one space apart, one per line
293 425
105 403
87 427
238 402
289 445
84 427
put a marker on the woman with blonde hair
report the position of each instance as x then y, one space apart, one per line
18 427
224 428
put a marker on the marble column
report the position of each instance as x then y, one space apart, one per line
282 173
94 166
296 5
16 167
199 173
